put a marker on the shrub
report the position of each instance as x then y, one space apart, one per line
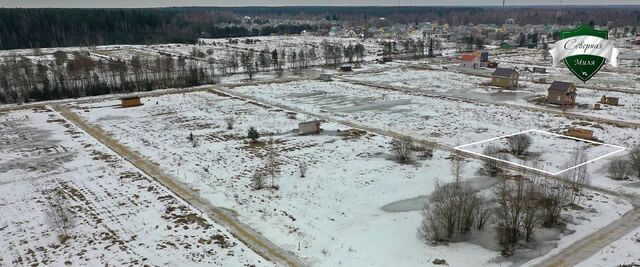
402 149
519 144
253 134
619 169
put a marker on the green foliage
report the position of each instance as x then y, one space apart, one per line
253 134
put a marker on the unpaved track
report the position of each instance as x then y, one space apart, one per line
242 232
588 246
575 253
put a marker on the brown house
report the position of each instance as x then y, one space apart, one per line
562 93
505 78
131 101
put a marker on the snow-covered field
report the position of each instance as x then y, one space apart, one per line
121 217
623 252
549 152
355 207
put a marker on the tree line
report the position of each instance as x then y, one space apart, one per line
30 28
79 74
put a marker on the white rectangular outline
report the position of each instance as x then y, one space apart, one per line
620 148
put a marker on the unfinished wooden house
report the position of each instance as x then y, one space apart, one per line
505 78
562 93
130 101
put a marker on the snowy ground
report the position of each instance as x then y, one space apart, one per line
625 251
329 217
121 216
549 152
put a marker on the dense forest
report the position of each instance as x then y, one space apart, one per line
30 28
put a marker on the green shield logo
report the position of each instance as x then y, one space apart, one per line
584 66
584 51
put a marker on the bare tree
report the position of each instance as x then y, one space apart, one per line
576 177
229 121
272 163
519 144
58 210
257 180
402 149
634 159
554 195
303 166
493 166
453 209
618 169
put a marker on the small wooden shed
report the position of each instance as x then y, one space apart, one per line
539 70
309 127
130 101
346 67
470 61
609 100
505 78
562 93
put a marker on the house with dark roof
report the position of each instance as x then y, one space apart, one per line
562 93
505 78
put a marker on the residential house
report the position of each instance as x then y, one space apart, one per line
562 93
505 78
470 61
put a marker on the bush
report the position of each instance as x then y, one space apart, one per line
634 160
253 134
402 149
619 169
229 121
519 144
492 166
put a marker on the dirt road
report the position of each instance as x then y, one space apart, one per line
242 232
588 246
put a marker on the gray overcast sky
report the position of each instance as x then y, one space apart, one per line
166 3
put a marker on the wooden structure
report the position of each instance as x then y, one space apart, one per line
130 101
470 61
309 127
346 67
580 133
505 78
562 93
609 100
539 70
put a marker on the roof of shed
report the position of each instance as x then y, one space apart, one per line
560 86
504 72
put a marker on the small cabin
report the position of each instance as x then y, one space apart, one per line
505 78
309 127
130 101
609 100
539 70
562 93
470 61
346 67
